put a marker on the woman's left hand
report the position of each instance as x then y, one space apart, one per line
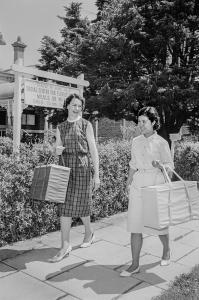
157 164
96 183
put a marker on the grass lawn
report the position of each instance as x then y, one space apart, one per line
184 287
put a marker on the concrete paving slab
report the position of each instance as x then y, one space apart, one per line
91 281
154 274
191 239
119 220
193 225
105 253
23 287
177 233
95 226
114 235
54 240
152 245
190 260
93 273
35 263
18 248
6 270
142 291
68 297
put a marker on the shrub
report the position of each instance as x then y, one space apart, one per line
187 160
185 286
19 219
111 198
5 145
130 131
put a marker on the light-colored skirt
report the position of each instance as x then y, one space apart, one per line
135 222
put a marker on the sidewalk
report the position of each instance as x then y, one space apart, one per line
93 273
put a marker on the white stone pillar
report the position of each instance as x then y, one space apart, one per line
96 129
174 137
46 128
17 110
80 87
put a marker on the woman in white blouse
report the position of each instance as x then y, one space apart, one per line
148 152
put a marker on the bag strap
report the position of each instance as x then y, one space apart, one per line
52 156
170 184
174 172
63 162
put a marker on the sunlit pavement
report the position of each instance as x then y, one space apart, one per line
93 273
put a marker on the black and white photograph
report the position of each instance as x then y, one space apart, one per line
99 149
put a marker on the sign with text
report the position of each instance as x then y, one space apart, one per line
46 94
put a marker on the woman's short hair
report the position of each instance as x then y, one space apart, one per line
68 100
151 113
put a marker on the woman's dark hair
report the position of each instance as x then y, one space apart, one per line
151 113
71 97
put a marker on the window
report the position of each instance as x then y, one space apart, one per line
2 117
28 119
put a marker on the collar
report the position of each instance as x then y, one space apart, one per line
151 137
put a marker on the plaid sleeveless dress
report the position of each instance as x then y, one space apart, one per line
76 157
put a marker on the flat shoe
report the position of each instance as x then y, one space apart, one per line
128 274
165 262
88 244
58 257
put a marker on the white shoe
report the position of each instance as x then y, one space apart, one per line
88 244
128 274
58 257
165 262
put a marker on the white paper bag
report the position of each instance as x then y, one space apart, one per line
171 203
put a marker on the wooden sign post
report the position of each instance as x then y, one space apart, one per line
40 93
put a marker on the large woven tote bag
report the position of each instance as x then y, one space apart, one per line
50 183
170 203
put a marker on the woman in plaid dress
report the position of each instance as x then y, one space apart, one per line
75 138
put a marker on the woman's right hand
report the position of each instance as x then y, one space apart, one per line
59 150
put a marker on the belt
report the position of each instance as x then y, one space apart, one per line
148 170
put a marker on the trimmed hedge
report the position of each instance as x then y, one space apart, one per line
111 198
187 160
19 219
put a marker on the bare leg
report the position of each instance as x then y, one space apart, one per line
136 245
65 239
165 242
88 230
65 223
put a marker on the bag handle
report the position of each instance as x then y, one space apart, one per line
174 172
48 161
170 184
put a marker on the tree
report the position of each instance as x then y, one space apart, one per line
146 53
136 53
63 57
100 5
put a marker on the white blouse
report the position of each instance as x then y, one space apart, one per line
145 150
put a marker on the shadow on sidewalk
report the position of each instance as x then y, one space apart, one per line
87 274
101 279
9 253
23 257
